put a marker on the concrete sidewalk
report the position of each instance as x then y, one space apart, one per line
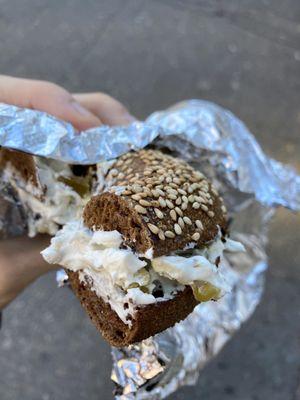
150 55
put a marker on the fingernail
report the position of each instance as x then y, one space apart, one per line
80 109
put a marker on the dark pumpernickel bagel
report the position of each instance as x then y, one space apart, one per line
166 205
22 164
163 205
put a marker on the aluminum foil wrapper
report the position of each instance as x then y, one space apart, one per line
214 141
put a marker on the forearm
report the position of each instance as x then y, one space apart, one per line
20 264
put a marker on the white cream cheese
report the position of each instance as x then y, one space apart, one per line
115 272
60 203
101 171
97 255
199 267
189 270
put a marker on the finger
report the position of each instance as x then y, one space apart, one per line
48 97
108 109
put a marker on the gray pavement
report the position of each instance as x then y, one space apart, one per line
242 55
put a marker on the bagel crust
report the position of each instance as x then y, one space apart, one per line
148 320
151 211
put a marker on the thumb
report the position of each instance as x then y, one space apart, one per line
48 97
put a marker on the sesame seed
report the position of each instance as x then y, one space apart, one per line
185 199
159 191
204 207
170 234
154 203
202 199
199 199
146 173
155 193
172 196
196 236
140 209
172 191
161 235
173 185
187 220
154 229
178 201
181 191
196 205
143 194
199 175
154 183
133 179
145 203
181 222
211 214
177 229
114 172
176 180
136 197
190 189
191 198
137 188
210 202
169 204
179 212
199 224
224 210
161 171
184 206
168 179
158 213
162 202
173 215
121 175
129 170
214 192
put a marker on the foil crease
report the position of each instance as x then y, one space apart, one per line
214 141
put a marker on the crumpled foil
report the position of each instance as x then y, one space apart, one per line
214 141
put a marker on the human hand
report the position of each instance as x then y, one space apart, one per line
20 264
83 111
20 259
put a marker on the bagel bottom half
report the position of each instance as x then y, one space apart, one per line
148 320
